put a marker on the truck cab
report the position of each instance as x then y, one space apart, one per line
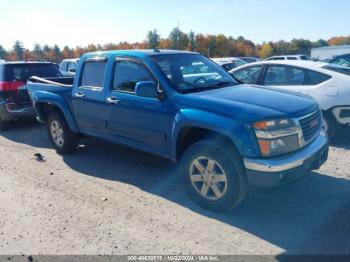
226 137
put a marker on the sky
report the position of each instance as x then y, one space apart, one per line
80 22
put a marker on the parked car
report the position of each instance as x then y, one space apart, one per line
328 84
288 57
224 135
249 59
343 60
14 99
229 63
68 67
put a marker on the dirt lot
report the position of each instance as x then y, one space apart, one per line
106 199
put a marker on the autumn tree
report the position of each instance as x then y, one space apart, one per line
266 50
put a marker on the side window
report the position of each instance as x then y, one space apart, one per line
292 58
93 74
315 78
127 73
249 75
284 75
63 66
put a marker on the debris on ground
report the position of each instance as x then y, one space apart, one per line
39 157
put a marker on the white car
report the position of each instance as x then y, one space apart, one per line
229 63
328 84
288 57
68 67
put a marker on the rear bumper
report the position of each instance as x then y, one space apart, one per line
285 169
12 111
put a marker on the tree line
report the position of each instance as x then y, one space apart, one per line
210 45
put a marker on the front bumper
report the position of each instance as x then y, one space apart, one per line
12 111
285 169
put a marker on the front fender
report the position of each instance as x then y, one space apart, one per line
239 133
43 97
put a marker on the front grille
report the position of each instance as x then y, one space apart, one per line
311 125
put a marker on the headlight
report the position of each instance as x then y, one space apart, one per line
277 137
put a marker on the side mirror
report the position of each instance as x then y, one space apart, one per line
147 89
72 70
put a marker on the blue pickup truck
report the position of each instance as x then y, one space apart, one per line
226 136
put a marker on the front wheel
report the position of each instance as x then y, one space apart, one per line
213 176
329 125
62 137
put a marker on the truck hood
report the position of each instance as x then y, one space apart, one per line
250 103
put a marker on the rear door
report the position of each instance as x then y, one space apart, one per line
88 98
294 78
139 121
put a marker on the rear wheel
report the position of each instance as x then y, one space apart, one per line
62 137
213 176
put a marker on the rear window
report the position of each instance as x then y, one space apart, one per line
21 72
341 70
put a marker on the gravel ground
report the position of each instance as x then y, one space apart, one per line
107 199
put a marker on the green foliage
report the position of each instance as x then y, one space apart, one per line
153 39
19 50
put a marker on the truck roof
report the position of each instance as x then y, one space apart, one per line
145 52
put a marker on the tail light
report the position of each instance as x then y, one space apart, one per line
11 86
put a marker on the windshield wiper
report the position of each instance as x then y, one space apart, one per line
207 87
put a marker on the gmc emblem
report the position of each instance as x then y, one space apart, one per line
313 123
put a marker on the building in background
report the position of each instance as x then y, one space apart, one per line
323 53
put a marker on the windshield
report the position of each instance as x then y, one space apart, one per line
338 69
193 72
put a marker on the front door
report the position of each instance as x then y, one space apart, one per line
139 121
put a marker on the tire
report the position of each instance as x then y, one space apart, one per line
224 192
63 139
330 125
4 125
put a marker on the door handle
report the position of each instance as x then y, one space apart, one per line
112 100
80 95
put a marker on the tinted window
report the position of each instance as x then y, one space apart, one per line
277 58
93 74
284 75
292 58
338 69
127 73
304 57
315 78
21 72
343 61
249 75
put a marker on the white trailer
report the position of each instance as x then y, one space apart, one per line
323 53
